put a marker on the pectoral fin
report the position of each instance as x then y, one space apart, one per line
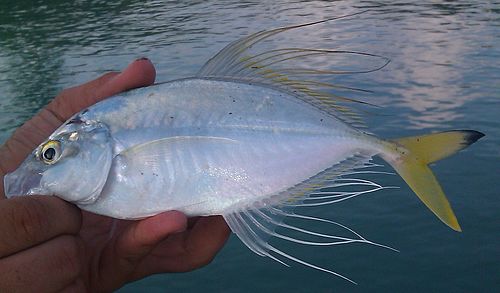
157 161
163 146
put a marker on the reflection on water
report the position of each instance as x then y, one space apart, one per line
438 51
444 74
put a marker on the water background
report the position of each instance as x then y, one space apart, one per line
444 74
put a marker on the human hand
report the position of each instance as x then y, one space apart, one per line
49 245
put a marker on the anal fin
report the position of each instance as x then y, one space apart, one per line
256 223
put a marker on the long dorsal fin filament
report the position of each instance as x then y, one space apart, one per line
278 68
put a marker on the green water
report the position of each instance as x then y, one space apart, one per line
444 74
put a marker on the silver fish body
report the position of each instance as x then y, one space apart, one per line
248 138
212 146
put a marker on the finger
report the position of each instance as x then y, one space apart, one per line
139 73
28 221
122 258
192 221
187 251
142 236
58 260
205 239
78 286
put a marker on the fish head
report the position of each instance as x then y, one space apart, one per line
73 163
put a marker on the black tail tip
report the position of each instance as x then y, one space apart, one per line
472 136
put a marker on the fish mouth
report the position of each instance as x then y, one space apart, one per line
16 184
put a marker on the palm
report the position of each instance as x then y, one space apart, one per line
119 251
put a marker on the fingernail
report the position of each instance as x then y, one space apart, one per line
138 73
130 65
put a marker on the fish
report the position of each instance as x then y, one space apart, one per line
248 138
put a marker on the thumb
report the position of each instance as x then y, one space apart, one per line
137 241
139 73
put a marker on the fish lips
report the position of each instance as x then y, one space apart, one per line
22 182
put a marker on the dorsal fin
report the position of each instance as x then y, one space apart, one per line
275 68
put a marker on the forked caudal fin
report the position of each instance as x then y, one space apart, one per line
416 152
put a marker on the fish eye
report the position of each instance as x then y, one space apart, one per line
50 152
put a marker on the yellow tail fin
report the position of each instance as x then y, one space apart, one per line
416 152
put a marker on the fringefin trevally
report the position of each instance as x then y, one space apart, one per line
251 137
